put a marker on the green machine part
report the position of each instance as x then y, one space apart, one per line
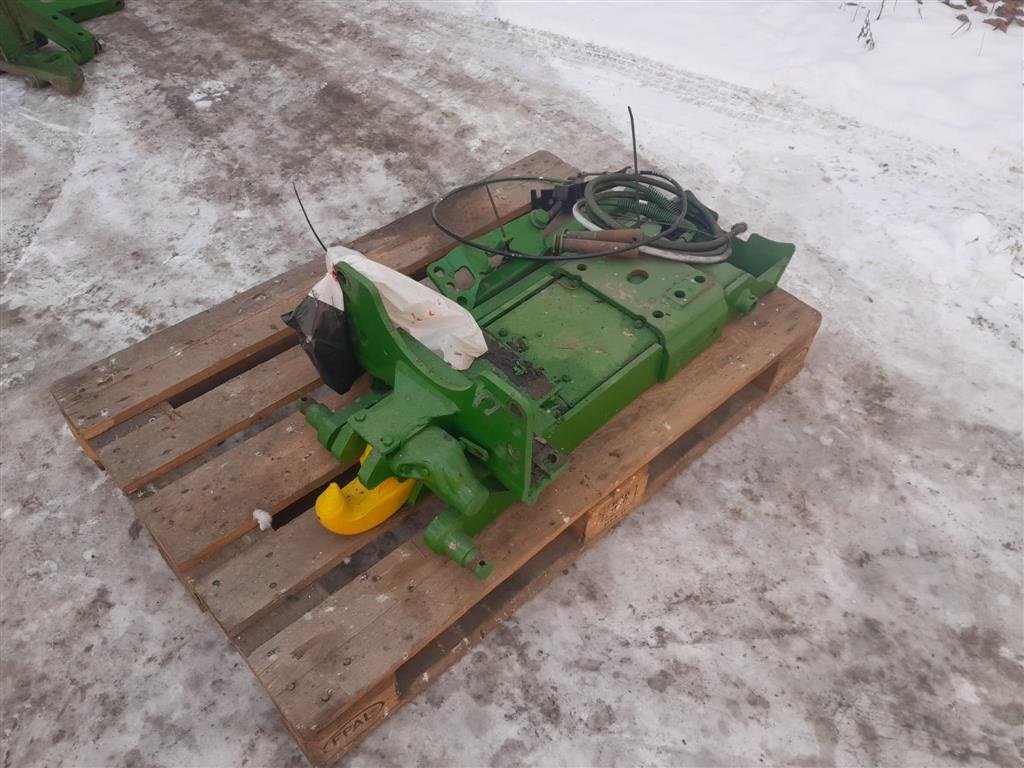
26 26
570 343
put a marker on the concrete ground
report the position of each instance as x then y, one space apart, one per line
838 582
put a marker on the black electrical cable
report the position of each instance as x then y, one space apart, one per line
306 215
632 189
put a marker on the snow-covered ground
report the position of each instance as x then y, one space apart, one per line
960 90
837 582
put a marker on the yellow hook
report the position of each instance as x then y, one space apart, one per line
356 508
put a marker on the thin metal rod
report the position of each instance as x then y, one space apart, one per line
308 222
497 218
636 167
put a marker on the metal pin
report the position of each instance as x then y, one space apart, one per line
306 216
497 218
636 167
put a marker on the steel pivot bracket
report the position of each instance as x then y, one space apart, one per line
26 26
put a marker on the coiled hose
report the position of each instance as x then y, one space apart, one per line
687 230
681 227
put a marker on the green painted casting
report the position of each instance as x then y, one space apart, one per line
570 343
27 26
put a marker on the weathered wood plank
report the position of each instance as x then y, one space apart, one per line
185 432
201 512
414 675
292 608
286 561
134 379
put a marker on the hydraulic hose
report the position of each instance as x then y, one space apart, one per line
681 227
620 200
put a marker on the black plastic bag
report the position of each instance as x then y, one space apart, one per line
325 336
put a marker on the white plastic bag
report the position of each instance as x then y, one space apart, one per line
434 320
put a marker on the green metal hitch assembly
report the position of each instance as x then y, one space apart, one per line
570 343
26 26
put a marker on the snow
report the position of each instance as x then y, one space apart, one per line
208 93
959 90
262 518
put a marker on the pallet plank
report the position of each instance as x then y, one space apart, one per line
286 560
698 440
351 610
213 505
291 609
175 359
416 674
124 389
185 432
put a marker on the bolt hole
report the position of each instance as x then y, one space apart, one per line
637 276
699 278
679 294
658 313
551 458
461 300
464 278
482 563
581 267
438 270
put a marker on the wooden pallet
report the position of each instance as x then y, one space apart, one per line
195 424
